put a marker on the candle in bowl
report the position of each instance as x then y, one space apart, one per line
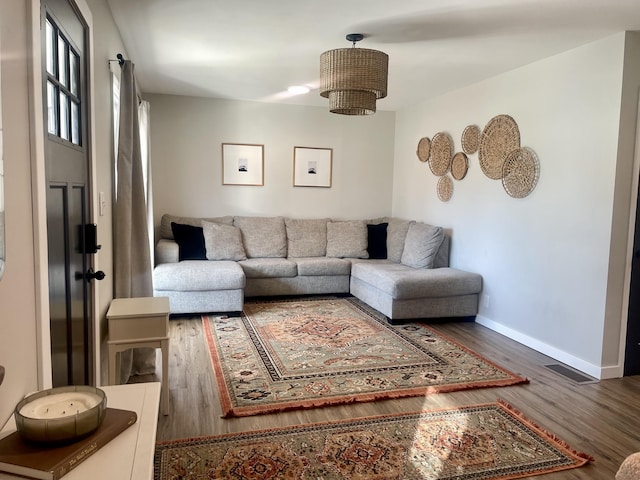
61 414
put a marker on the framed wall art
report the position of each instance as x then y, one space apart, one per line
242 164
312 167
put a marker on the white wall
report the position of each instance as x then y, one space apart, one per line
106 45
24 169
18 351
544 258
186 138
624 208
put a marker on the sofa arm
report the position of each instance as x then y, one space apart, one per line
167 251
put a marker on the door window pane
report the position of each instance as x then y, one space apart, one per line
52 110
75 123
73 71
64 116
62 62
50 48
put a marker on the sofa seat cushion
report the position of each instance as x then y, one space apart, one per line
198 275
269 267
403 282
323 266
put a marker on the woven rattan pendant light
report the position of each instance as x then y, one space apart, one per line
353 78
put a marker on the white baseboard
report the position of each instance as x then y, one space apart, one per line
590 369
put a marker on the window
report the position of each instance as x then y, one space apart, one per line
63 82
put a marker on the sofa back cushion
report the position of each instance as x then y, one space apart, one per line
306 237
421 245
263 237
165 223
396 235
442 258
223 242
347 239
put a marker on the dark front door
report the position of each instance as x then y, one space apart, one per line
67 172
632 350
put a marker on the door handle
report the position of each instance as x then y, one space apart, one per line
91 275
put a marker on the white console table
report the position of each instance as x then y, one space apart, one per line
135 323
129 456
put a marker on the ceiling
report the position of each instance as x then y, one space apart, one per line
256 49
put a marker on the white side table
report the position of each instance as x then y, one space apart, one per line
129 456
137 323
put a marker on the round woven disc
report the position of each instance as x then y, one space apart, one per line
459 166
445 188
520 172
441 152
424 146
470 139
499 138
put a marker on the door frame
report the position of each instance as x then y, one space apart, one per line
635 185
39 191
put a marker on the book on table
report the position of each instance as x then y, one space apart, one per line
52 462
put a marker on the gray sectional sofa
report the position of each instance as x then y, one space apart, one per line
399 267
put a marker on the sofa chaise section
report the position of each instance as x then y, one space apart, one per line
200 286
402 292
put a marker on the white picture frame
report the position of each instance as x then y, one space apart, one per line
242 164
312 167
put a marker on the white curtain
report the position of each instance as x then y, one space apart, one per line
133 227
143 116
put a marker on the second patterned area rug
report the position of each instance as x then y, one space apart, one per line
303 353
481 442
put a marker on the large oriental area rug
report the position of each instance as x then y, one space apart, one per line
491 441
305 353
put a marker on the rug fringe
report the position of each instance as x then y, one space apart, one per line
230 412
544 432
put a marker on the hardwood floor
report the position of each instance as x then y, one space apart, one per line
602 418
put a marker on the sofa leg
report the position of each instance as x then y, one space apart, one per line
403 321
400 321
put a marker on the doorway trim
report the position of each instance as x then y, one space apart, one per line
635 185
39 190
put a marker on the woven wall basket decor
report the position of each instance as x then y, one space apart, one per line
520 172
470 139
424 148
499 138
441 153
445 188
459 166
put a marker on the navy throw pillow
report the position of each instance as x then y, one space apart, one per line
377 241
190 240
